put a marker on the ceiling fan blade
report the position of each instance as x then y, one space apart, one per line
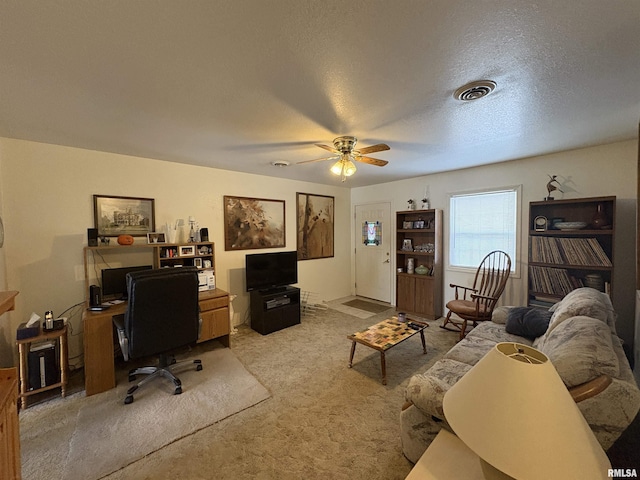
371 161
327 147
374 148
316 160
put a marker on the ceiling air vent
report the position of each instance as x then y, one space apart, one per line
280 163
474 90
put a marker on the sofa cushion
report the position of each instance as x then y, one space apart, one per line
426 391
583 301
500 314
496 333
470 350
581 349
527 322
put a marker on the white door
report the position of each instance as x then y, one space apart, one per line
373 261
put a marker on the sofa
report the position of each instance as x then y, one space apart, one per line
578 337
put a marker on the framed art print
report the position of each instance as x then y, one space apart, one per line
253 223
314 226
114 216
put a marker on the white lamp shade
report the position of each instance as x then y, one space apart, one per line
520 418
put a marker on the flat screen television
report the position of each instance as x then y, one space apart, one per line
266 271
114 280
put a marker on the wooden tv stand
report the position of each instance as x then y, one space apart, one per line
273 310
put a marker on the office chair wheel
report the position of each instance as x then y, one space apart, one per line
198 365
132 377
178 390
128 399
198 368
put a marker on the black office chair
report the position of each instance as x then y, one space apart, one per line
162 315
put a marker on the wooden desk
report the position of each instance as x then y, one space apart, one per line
447 458
24 347
98 337
7 301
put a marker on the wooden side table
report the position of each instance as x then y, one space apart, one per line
24 346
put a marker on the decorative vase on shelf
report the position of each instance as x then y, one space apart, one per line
600 219
409 265
410 205
425 204
422 270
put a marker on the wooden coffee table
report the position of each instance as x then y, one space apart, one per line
384 335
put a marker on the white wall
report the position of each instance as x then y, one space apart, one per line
597 171
48 206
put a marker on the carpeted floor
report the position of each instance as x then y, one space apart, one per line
322 421
68 438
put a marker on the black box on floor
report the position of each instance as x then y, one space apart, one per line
43 367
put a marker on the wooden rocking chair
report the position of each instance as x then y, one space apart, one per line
476 303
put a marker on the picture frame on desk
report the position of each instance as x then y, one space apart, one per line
197 262
114 216
156 237
186 250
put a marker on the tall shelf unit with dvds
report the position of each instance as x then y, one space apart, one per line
419 262
571 245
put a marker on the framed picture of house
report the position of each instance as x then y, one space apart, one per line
114 216
314 226
251 223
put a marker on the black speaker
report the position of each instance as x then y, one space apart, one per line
92 237
204 234
95 295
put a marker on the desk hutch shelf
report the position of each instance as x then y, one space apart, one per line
97 334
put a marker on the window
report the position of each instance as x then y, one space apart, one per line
481 222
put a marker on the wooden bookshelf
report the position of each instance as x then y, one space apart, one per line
561 257
419 241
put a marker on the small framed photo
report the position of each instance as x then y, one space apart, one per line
197 262
206 264
406 245
186 250
418 224
407 225
156 237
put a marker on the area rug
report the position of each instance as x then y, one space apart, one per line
367 306
86 438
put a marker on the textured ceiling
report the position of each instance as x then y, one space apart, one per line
240 84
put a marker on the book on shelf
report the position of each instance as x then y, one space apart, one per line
567 250
553 281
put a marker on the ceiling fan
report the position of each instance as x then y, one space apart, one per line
343 150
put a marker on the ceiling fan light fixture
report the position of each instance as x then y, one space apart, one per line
349 168
474 90
336 169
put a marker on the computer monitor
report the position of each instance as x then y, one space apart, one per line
114 280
